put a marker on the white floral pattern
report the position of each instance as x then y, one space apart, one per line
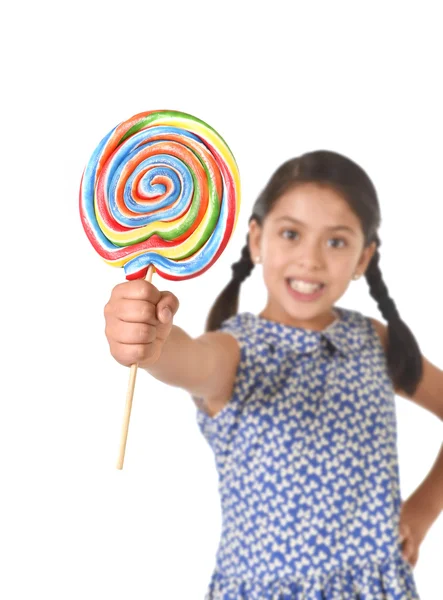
306 454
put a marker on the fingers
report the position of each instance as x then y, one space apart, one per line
410 553
402 533
409 548
129 354
131 333
138 289
133 311
167 307
140 301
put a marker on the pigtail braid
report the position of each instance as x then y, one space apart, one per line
226 304
404 359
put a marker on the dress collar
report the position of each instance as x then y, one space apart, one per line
347 334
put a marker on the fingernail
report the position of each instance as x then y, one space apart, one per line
166 314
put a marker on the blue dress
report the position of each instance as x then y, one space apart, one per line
306 456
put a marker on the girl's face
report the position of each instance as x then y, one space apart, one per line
310 234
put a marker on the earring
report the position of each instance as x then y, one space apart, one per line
257 260
357 276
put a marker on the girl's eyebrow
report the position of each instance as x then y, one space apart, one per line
333 228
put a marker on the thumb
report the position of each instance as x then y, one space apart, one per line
404 532
167 306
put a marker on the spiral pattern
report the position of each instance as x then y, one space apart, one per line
161 189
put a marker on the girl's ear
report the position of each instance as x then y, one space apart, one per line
254 239
366 257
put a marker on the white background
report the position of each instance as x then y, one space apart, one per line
275 81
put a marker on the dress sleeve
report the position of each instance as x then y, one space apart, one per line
237 326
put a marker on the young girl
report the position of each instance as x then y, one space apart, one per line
298 402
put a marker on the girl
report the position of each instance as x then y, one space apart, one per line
298 402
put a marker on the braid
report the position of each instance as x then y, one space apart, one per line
226 304
379 291
403 353
243 268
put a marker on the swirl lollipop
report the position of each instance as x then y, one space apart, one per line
160 193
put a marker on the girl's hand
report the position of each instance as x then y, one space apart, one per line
138 321
414 524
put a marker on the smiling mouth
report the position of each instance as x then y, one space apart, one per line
304 287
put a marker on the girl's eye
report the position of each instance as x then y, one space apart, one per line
290 234
339 240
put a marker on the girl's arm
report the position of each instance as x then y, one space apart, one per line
205 366
139 329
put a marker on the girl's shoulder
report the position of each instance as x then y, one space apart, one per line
368 329
240 325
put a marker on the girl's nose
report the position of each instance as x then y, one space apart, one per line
309 256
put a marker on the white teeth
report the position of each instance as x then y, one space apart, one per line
303 287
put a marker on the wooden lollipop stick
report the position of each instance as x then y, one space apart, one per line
129 396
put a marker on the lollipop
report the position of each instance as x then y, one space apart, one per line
160 193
